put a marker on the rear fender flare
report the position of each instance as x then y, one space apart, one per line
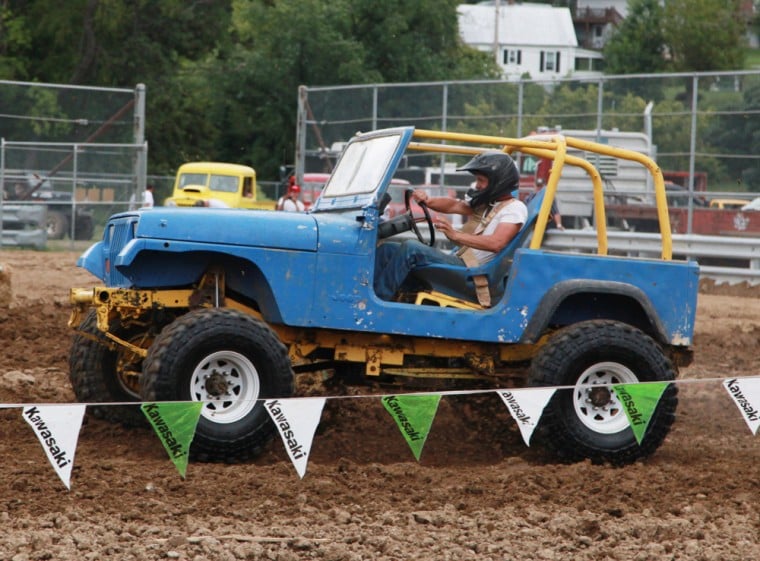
560 292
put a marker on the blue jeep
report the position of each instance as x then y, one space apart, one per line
227 307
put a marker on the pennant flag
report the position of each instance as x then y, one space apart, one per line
297 421
746 394
175 424
639 402
414 416
526 407
57 428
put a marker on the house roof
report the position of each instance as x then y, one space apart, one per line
519 25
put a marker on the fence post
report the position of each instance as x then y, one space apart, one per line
300 159
2 185
73 225
599 109
374 106
520 94
141 159
692 148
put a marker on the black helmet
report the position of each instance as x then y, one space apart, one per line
502 173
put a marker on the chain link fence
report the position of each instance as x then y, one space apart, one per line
701 127
77 152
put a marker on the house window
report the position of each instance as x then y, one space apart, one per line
512 56
549 61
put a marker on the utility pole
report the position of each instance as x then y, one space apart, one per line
497 6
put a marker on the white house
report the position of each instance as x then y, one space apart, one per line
534 39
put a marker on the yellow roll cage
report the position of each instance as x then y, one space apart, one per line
554 147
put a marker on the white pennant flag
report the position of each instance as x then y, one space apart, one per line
746 394
526 407
57 428
297 421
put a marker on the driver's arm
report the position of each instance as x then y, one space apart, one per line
492 242
447 205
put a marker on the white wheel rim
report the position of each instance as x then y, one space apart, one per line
599 408
228 385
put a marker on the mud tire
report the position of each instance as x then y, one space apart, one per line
94 378
231 350
601 352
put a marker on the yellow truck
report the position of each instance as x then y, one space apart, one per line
217 184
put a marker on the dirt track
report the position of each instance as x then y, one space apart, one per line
478 492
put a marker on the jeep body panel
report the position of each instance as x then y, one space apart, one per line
329 284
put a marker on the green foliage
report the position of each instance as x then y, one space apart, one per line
222 77
326 43
685 35
15 40
44 102
738 133
637 46
704 35
638 43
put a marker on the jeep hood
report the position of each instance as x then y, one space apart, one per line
277 230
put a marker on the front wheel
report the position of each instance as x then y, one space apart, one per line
588 421
229 361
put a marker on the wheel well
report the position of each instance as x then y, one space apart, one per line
588 305
247 282
242 277
572 303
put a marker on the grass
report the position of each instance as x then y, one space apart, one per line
751 58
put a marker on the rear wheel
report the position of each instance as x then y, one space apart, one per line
589 421
229 361
101 372
57 224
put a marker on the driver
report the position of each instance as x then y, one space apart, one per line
495 217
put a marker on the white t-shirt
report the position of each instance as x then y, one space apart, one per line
147 201
289 205
513 213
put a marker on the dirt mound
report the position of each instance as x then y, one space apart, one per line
477 493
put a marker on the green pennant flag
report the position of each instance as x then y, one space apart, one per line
414 416
175 424
639 402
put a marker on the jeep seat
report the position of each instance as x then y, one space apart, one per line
457 281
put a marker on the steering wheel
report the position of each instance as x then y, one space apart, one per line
413 221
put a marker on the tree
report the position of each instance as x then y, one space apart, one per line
120 43
282 45
704 35
15 38
222 76
637 46
737 133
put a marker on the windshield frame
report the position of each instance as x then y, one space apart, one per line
364 169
